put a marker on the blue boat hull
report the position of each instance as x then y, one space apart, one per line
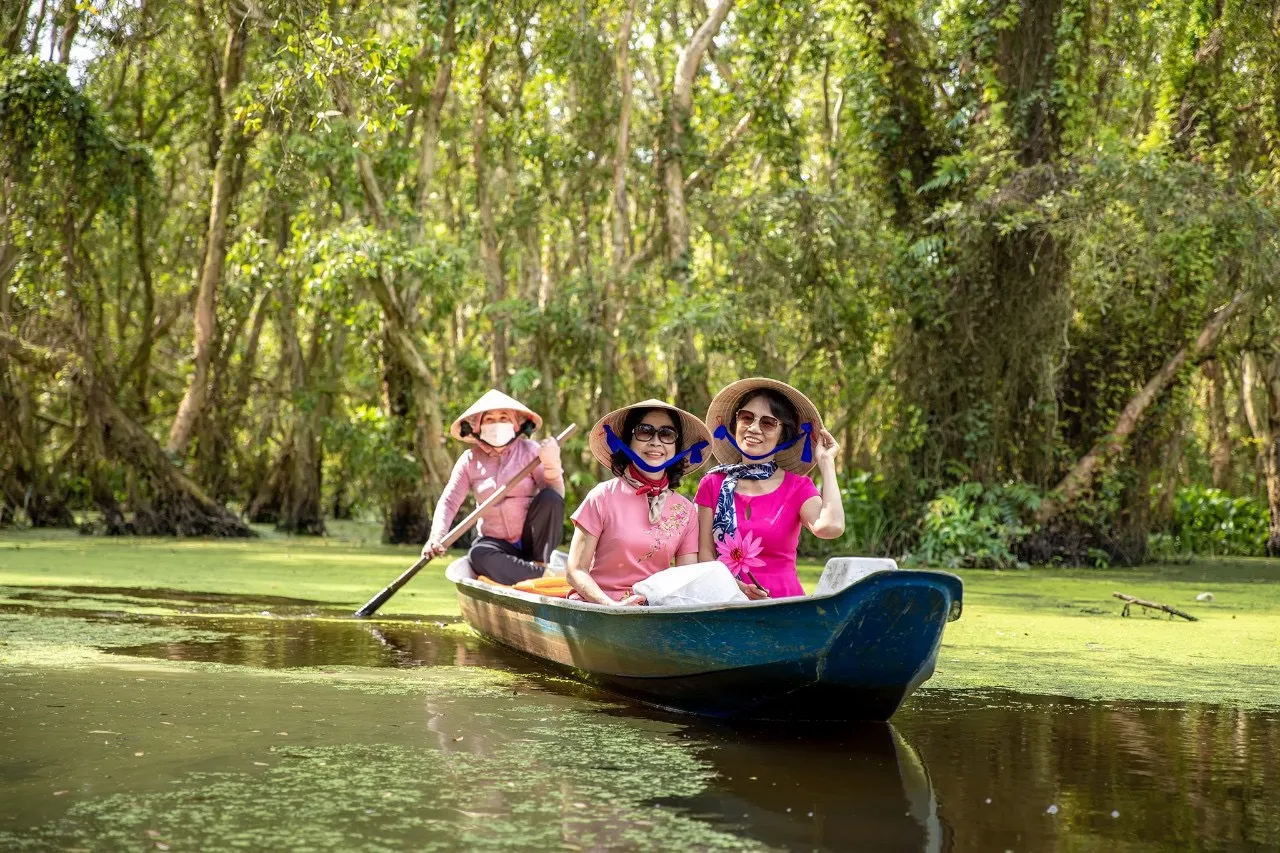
854 654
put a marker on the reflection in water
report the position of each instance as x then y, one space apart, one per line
865 789
186 598
294 643
1024 773
1005 772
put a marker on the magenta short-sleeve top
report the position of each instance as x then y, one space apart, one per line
774 519
628 547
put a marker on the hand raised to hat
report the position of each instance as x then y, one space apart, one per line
825 448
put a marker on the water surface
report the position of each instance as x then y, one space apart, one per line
210 726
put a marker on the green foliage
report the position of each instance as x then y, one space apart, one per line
369 463
974 526
870 527
970 230
1209 522
52 134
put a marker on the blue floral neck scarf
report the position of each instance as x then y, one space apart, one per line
725 521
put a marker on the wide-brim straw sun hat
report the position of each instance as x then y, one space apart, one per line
692 429
735 394
493 400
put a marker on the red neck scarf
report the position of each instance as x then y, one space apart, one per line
647 487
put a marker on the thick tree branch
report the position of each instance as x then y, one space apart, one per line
1081 476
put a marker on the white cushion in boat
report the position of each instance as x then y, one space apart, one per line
696 583
841 572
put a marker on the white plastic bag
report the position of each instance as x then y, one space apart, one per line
696 583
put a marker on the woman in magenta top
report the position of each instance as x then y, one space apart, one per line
751 509
634 525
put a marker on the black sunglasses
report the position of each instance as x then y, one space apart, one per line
665 434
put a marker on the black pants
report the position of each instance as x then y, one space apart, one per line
500 560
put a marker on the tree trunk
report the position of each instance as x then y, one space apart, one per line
401 347
690 375
221 197
1265 426
33 42
1080 477
300 509
1219 433
434 106
620 226
407 514
1195 125
29 483
166 502
18 27
70 25
904 139
490 256
429 441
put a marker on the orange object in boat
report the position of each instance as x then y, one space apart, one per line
553 587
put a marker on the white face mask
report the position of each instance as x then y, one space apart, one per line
497 435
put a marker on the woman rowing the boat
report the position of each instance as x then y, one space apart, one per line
634 525
751 509
517 534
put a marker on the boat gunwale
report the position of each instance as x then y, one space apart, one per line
499 592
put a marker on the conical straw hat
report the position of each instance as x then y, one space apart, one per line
734 394
492 400
692 429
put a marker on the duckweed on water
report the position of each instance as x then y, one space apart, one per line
1059 632
464 766
105 752
60 641
384 798
1049 631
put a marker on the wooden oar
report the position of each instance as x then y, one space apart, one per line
458 529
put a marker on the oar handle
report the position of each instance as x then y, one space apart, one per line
458 529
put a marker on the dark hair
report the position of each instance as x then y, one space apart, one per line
783 409
619 460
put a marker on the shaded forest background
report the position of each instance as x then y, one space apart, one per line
1024 254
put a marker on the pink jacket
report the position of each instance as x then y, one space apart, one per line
481 474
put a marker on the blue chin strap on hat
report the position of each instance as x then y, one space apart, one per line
806 433
617 445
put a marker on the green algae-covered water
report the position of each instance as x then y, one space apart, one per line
161 718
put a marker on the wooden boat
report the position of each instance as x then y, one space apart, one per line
854 650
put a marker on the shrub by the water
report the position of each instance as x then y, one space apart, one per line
973 526
1211 522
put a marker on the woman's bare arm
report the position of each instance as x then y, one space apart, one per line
706 545
581 551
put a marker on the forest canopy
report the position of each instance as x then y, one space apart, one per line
255 255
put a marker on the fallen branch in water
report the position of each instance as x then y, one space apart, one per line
1129 600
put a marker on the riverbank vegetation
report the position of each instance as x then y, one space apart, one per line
254 256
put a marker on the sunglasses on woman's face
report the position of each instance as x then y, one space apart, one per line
767 423
665 434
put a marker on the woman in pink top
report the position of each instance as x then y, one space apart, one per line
518 534
751 509
635 525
